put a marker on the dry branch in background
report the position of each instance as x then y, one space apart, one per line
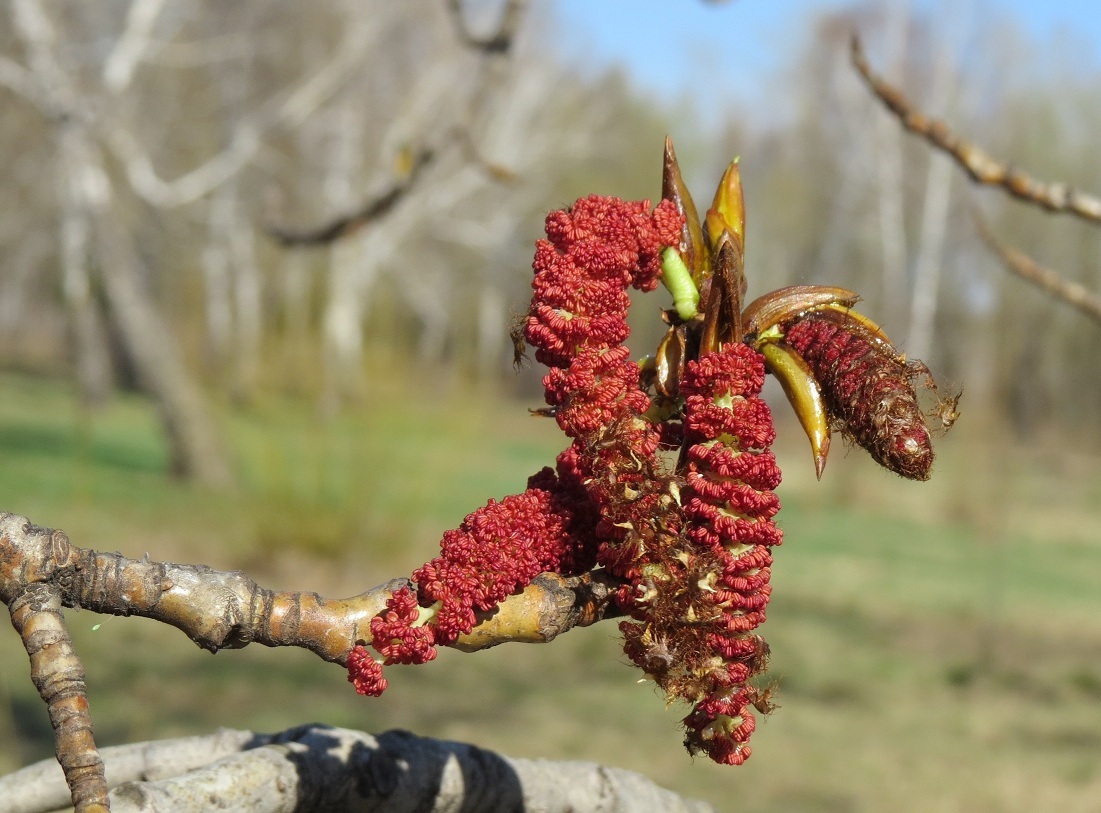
979 165
316 767
371 210
498 42
493 48
983 169
41 571
1046 279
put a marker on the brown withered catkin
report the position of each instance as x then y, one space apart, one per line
867 389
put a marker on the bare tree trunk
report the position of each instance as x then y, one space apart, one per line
492 315
352 270
892 213
934 225
216 281
297 350
248 306
351 266
87 337
194 446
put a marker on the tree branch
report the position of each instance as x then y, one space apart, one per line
316 767
344 225
41 571
288 108
979 165
491 47
983 169
58 675
1046 279
118 69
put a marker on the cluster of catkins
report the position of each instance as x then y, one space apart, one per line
690 542
691 547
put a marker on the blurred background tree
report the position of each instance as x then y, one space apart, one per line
190 130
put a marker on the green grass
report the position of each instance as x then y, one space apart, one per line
937 645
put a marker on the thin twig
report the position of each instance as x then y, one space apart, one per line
41 571
983 169
1048 280
368 212
978 164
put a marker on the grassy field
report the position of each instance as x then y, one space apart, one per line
937 645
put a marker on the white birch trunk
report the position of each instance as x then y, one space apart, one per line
934 222
892 213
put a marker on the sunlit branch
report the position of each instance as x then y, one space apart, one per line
41 571
58 675
978 164
1046 279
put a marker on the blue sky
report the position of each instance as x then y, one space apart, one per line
668 44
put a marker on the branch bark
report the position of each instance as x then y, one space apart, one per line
978 164
321 768
983 169
41 571
1046 279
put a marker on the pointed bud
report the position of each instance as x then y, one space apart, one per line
692 247
669 362
727 212
722 313
724 228
804 395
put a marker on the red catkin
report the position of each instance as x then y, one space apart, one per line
698 574
577 322
867 390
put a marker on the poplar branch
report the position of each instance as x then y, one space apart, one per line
41 571
985 170
225 609
980 166
58 675
1046 279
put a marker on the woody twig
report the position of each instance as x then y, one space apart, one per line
41 571
985 170
495 47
